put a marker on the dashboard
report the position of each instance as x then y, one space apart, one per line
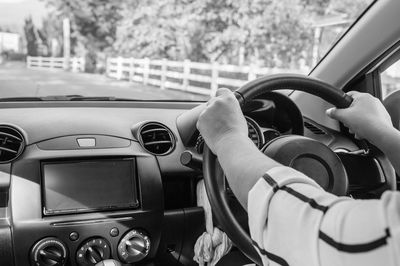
86 181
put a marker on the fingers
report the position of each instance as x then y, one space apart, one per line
353 93
223 91
201 115
336 113
223 96
331 112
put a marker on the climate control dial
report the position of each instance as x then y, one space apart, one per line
93 251
49 251
134 246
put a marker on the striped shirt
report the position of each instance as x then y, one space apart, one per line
293 221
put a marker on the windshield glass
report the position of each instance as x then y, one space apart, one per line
159 49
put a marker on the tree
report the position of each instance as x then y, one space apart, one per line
214 30
31 37
93 25
93 22
273 33
53 34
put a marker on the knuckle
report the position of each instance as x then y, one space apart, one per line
219 102
202 116
231 97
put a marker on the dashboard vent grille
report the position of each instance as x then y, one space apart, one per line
12 144
157 138
314 129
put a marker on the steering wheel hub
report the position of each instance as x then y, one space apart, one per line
312 158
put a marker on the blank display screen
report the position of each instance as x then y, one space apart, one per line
88 186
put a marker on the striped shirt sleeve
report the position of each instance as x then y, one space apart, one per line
293 221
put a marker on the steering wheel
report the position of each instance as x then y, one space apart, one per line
306 155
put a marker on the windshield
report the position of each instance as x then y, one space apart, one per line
159 49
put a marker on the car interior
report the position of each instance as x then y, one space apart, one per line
58 205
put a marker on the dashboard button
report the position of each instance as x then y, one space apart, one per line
86 142
114 232
73 236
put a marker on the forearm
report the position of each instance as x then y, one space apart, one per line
389 143
243 164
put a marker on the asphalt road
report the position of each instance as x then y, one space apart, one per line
18 81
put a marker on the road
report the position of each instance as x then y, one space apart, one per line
18 81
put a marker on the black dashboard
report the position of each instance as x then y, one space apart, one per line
97 180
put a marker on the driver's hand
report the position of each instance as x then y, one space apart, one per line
222 119
366 117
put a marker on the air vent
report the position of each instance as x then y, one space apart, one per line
314 129
11 144
157 138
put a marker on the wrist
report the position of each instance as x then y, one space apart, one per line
232 141
382 135
386 139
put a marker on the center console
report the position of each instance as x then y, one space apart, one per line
80 207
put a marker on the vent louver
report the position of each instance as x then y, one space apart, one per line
157 138
11 144
314 129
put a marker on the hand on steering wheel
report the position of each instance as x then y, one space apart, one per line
229 121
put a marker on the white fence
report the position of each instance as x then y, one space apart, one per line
187 76
76 64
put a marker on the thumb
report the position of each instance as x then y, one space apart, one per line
335 113
223 91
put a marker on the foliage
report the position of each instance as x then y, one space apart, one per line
53 34
216 30
93 22
274 33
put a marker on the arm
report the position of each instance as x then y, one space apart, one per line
368 119
300 224
224 129
239 158
389 142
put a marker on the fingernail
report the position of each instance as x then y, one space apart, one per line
329 111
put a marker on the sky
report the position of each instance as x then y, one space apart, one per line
13 12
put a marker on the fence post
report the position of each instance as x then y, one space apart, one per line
73 63
51 65
76 62
82 60
108 66
39 61
186 73
119 68
28 61
252 72
214 79
163 73
146 70
131 68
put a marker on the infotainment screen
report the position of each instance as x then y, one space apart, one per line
88 185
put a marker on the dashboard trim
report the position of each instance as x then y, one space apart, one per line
92 221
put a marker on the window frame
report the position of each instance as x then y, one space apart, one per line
369 79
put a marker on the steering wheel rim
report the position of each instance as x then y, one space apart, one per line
211 169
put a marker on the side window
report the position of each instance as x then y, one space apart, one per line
390 79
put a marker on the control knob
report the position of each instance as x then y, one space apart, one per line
134 246
49 251
109 263
92 251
